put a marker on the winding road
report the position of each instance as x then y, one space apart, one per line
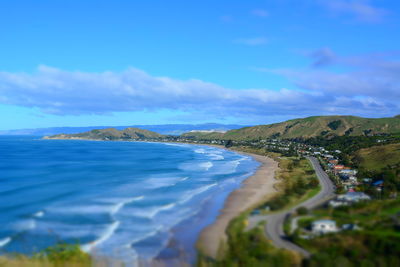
275 221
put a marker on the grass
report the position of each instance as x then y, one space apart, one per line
250 248
59 255
378 157
298 182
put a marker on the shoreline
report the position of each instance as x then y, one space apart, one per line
253 190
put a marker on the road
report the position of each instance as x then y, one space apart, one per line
274 226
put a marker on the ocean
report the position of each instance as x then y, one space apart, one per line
122 200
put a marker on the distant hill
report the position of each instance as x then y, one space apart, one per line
110 134
311 127
169 129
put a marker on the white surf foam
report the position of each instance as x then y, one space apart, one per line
206 165
111 206
160 182
189 195
39 214
200 151
215 156
106 235
121 204
150 213
4 241
25 225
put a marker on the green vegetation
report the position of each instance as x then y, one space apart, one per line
309 127
377 158
58 255
376 243
349 144
111 134
250 248
298 182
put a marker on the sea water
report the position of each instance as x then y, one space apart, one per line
123 200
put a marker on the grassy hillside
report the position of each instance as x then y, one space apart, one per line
317 126
205 135
110 134
378 157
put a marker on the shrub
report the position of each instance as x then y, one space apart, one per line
302 211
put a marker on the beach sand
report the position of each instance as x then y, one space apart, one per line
254 190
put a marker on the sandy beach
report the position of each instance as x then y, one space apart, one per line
254 189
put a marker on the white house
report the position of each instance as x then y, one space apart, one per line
324 227
353 197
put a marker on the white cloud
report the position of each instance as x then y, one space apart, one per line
62 92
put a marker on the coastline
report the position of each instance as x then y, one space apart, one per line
253 190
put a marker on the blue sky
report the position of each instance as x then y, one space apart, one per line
79 63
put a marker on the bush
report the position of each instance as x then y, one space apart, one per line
64 253
302 211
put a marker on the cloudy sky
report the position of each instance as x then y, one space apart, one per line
81 63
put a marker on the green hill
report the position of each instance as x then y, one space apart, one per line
316 126
378 157
203 135
110 134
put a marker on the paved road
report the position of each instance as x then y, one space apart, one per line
274 226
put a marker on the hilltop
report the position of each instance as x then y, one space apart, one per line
110 134
168 129
310 127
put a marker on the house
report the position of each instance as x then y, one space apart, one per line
324 227
338 168
348 172
333 161
349 198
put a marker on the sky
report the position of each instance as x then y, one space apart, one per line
84 63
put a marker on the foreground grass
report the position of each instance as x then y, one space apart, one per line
58 255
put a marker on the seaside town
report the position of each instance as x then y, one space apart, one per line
351 188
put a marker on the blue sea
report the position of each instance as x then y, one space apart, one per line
123 200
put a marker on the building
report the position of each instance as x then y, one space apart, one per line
349 198
352 197
324 227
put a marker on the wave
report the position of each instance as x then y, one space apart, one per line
111 207
121 204
196 166
206 165
4 241
106 235
39 214
150 213
189 195
215 156
159 182
200 151
24 225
